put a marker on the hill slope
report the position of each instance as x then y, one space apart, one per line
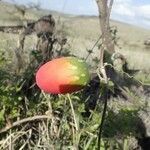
83 31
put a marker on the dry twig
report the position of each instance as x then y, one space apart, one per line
30 119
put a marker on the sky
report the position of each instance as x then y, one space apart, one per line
136 12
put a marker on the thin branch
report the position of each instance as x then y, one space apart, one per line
99 38
103 119
17 123
104 24
109 10
110 6
107 44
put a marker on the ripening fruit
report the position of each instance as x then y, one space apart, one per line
63 75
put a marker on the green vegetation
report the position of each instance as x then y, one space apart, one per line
71 121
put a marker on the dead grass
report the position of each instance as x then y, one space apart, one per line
82 32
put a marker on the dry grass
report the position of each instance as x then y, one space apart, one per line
82 32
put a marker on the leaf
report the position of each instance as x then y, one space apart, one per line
2 115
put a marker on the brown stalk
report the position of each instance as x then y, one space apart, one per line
108 45
17 123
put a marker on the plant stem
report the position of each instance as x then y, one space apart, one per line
73 112
102 120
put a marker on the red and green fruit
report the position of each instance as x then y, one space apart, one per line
63 75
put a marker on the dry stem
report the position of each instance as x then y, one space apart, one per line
17 123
